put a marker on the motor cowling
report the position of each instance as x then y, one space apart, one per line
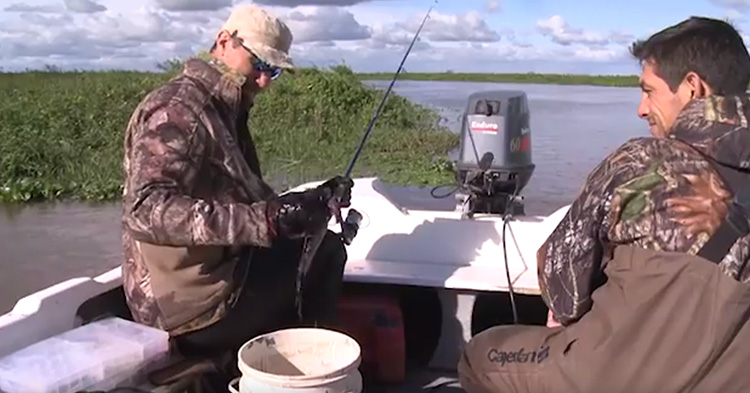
494 161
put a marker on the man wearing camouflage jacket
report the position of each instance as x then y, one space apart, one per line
647 276
210 250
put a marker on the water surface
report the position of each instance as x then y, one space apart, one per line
572 128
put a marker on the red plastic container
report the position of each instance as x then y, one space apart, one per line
377 324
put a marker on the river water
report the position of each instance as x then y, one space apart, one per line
572 128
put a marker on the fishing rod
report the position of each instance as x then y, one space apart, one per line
385 96
311 243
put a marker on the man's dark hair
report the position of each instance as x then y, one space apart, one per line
709 47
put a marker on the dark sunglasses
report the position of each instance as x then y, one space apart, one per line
262 66
258 63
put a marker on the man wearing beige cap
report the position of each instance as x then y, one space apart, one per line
211 251
252 31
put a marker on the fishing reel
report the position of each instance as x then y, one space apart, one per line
339 198
350 226
336 196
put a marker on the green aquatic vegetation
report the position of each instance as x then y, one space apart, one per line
62 132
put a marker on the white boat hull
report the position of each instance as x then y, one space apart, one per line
437 248
396 244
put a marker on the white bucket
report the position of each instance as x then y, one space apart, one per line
300 360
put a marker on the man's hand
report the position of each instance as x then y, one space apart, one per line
296 214
339 185
551 322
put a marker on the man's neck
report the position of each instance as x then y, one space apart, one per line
220 65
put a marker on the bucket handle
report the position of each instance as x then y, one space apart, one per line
236 381
233 382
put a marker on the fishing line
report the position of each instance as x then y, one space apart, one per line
506 219
370 126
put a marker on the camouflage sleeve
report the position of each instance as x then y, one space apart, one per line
166 154
569 262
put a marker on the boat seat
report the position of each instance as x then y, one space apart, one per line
194 374
110 303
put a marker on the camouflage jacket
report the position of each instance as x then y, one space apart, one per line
193 199
659 194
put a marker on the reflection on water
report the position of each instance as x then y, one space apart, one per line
573 128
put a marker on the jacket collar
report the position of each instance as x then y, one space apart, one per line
718 127
223 82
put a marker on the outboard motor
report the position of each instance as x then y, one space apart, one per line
494 162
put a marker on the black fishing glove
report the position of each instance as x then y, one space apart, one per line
342 186
296 214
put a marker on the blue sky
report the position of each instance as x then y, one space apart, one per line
568 36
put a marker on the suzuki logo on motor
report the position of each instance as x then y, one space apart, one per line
483 126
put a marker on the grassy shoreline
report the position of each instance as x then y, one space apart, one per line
558 79
62 132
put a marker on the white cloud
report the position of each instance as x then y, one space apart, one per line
563 34
140 33
733 4
297 3
519 42
735 9
84 6
621 37
146 35
325 24
734 16
492 5
598 54
467 57
469 26
193 5
21 7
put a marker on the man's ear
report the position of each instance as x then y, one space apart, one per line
698 87
222 39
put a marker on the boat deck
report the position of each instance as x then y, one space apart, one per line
407 240
431 380
428 380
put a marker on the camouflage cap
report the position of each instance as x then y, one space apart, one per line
262 33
